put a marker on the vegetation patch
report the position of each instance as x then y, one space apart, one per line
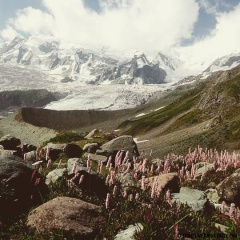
66 137
150 121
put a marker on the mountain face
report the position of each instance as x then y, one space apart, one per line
207 114
71 63
224 63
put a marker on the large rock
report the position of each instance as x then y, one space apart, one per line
55 150
92 183
212 195
229 189
92 134
125 143
74 217
21 186
55 175
28 147
8 153
9 142
30 156
194 198
80 165
71 150
90 147
166 181
99 158
203 167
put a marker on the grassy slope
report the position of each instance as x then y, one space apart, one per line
207 115
214 103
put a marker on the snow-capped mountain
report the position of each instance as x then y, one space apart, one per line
73 63
82 74
224 63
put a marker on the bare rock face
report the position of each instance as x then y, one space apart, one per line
9 142
229 188
125 143
74 217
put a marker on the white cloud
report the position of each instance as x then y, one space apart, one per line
9 33
148 25
29 21
224 39
121 24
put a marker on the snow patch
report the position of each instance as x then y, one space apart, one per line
140 115
159 108
140 141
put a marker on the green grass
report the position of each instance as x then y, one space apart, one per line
66 137
143 124
187 120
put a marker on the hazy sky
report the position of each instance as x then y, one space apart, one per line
204 26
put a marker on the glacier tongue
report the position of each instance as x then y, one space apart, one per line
110 97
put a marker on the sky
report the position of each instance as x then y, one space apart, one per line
201 27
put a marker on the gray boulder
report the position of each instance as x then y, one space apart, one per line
194 198
30 156
92 134
166 181
92 182
229 188
203 168
9 142
125 143
71 150
8 153
21 186
90 147
28 148
55 175
74 217
80 165
55 150
212 195
99 158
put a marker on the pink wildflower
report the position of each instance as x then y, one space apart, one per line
115 191
107 203
143 183
232 210
81 179
49 163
